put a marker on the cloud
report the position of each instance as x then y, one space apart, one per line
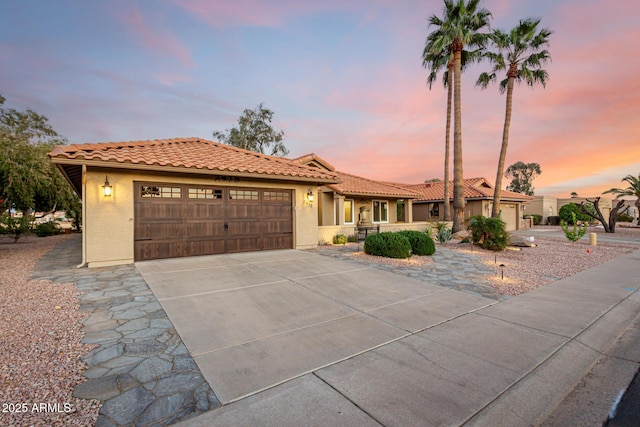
255 13
151 31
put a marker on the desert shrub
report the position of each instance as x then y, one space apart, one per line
421 243
339 239
578 230
553 220
16 226
444 233
48 228
352 238
489 233
623 217
391 245
565 213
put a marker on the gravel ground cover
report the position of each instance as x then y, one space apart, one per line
40 333
552 258
40 342
528 268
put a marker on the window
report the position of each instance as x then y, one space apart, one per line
243 195
435 210
380 211
204 193
348 211
276 195
163 192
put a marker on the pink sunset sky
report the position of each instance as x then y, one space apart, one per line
345 81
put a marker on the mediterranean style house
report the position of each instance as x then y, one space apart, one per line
168 198
478 195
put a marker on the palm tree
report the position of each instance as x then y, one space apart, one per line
521 54
459 28
436 62
632 190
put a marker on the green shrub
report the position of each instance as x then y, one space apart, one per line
489 233
553 220
421 243
537 219
578 230
391 245
565 213
352 238
339 239
16 226
623 217
45 229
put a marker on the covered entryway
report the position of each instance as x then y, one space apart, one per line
176 220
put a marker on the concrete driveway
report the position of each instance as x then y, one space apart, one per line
255 320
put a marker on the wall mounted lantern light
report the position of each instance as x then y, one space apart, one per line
309 197
107 188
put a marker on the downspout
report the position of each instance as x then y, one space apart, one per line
84 217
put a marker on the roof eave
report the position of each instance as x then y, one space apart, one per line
200 171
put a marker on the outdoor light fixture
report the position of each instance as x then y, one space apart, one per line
502 267
106 188
309 197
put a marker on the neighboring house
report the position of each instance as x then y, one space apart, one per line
478 194
355 201
547 206
182 197
605 203
629 206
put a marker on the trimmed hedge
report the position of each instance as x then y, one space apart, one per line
387 244
421 243
553 220
537 219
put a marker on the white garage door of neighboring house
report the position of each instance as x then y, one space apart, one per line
509 215
175 220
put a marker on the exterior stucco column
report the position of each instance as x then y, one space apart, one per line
339 203
408 210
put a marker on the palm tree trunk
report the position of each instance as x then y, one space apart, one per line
447 203
495 213
458 177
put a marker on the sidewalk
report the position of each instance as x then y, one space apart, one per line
510 364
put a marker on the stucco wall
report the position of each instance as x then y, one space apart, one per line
109 221
544 206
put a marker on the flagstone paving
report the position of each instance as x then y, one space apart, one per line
450 269
140 369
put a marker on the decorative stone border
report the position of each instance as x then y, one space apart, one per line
141 369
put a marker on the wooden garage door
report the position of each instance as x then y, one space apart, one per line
174 220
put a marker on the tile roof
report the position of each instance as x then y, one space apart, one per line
357 186
353 185
310 159
189 154
474 188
